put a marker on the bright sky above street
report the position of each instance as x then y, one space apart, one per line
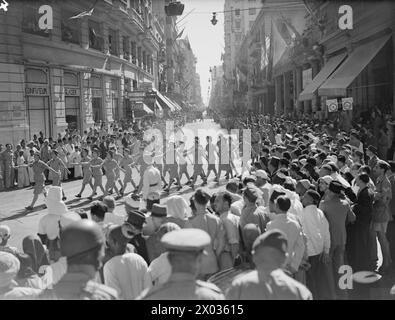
207 41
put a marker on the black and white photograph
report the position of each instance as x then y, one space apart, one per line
160 150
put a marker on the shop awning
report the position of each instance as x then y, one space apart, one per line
165 101
336 85
147 109
173 101
142 106
325 72
158 106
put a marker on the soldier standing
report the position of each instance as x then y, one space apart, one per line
82 242
185 248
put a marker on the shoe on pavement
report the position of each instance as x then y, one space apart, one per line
29 208
77 196
64 198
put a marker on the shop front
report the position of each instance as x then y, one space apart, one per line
37 94
95 85
72 99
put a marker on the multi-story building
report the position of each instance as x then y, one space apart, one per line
239 16
298 57
216 92
188 80
358 63
80 72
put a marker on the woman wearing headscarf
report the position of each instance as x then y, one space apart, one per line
9 289
27 277
177 210
58 217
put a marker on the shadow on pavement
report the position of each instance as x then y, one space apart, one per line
23 213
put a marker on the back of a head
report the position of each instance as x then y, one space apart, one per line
201 197
98 209
9 268
79 239
109 201
283 203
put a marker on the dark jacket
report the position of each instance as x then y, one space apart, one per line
364 206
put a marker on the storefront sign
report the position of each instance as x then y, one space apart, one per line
96 93
136 95
71 92
307 76
36 91
332 105
347 103
146 86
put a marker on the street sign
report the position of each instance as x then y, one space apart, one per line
347 103
332 105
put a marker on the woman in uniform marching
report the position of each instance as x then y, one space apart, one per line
58 166
127 163
39 167
96 164
86 170
111 166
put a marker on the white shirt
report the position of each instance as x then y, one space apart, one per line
128 274
236 207
160 269
316 229
151 181
293 231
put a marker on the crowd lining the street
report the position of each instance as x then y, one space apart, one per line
312 199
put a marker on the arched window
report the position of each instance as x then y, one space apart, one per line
70 79
36 76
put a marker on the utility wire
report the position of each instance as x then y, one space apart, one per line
275 6
185 16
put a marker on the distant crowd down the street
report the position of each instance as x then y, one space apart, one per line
307 198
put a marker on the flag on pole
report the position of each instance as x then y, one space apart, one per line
85 13
270 56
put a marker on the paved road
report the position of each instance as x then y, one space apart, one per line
22 223
12 204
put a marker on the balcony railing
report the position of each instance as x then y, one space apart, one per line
137 18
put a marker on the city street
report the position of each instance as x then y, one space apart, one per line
22 223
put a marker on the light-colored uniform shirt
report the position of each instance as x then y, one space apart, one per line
230 223
316 228
128 274
293 231
183 286
337 212
278 286
213 226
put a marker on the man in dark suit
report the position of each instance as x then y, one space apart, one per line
133 228
360 259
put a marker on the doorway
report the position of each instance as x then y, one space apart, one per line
96 109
